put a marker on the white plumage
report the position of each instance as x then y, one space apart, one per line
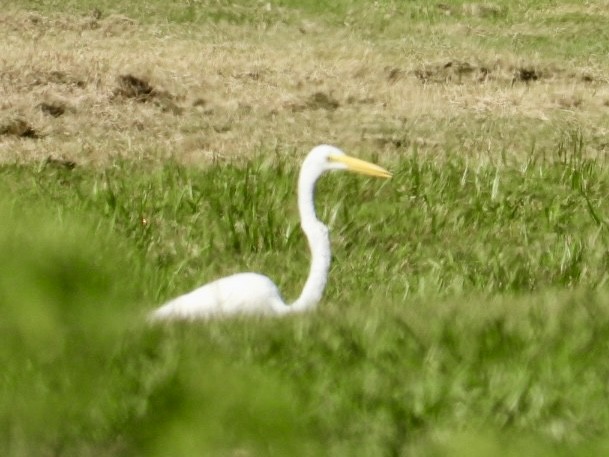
256 294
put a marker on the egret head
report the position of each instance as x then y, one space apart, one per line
325 157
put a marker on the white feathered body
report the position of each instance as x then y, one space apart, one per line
238 294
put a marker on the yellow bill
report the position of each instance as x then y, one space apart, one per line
361 166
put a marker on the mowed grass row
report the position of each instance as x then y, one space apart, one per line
485 78
566 29
467 310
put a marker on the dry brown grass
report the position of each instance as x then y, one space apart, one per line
226 92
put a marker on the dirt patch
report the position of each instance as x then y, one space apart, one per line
451 71
139 89
321 100
17 126
499 70
394 73
315 101
62 164
200 102
527 74
41 78
54 109
132 87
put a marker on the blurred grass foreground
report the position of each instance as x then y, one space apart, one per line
81 376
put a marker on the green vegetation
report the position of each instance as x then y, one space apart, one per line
467 310
462 300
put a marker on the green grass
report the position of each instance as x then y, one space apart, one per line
465 305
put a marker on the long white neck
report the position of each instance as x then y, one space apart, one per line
319 244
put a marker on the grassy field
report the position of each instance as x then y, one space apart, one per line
148 147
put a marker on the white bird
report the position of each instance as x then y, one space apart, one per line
256 294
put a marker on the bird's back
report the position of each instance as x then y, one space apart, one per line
242 293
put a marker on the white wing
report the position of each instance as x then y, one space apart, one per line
243 293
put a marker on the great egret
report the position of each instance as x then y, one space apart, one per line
253 293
